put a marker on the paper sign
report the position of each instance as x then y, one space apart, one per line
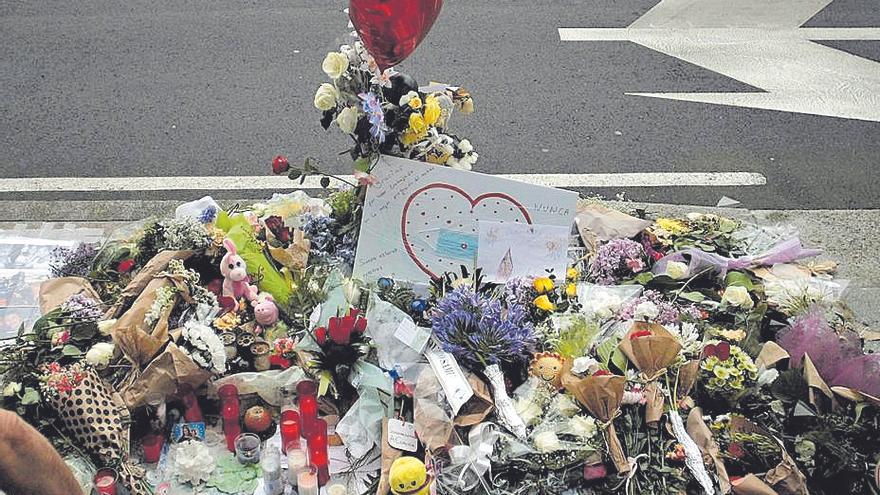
402 435
511 250
411 335
421 220
451 378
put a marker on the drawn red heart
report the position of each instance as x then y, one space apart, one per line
436 206
392 29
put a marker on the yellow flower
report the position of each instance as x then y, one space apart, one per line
671 225
409 138
417 124
227 322
734 335
572 273
432 110
415 103
721 372
543 285
571 290
544 302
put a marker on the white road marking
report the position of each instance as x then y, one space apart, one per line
260 182
761 44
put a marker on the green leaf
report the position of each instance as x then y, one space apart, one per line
84 331
692 296
71 350
739 279
30 397
859 408
618 358
609 354
362 164
644 278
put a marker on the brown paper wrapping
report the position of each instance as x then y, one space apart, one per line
816 383
164 375
389 455
856 396
144 277
601 395
296 255
702 436
771 353
596 222
752 485
687 377
433 425
651 354
785 478
55 291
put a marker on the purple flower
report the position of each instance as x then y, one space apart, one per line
480 331
373 108
82 307
76 262
618 258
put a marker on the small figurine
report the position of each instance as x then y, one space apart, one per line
236 282
409 476
265 310
548 367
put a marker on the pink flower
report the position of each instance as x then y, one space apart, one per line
364 179
61 338
635 264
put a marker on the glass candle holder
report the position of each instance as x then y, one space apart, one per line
152 447
260 351
106 480
308 406
247 448
307 481
193 413
297 462
318 453
230 413
336 488
270 465
290 429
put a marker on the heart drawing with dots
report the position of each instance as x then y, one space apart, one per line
439 225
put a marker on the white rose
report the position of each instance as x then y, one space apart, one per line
547 441
405 99
738 296
457 164
677 270
100 354
646 311
528 410
335 64
12 388
582 426
347 119
767 377
105 326
465 146
566 405
325 98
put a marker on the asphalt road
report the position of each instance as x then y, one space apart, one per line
97 88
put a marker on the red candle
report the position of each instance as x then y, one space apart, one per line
308 405
290 429
105 481
227 392
318 453
230 412
193 413
152 447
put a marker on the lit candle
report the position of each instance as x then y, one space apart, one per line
308 405
290 429
318 453
105 481
297 462
307 482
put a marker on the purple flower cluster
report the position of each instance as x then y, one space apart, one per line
82 307
325 245
373 108
519 291
76 262
667 312
480 331
618 258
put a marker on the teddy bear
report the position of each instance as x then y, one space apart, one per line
236 282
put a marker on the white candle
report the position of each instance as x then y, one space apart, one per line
337 489
296 463
307 482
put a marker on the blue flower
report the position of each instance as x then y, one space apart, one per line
480 331
373 108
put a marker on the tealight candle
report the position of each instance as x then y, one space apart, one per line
297 462
307 482
337 489
105 481
247 448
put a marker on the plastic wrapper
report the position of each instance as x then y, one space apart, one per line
266 384
384 321
361 427
603 301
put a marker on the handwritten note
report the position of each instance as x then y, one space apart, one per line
452 379
511 250
402 435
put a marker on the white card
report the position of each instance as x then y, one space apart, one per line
411 335
510 250
402 435
420 220
455 385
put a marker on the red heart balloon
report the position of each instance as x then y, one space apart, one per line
392 29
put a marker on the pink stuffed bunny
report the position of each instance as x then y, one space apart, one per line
236 282
265 310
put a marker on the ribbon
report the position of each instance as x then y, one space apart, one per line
633 467
475 456
693 456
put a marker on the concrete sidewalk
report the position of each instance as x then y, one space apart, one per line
846 236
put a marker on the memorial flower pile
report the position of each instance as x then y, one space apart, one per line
699 354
